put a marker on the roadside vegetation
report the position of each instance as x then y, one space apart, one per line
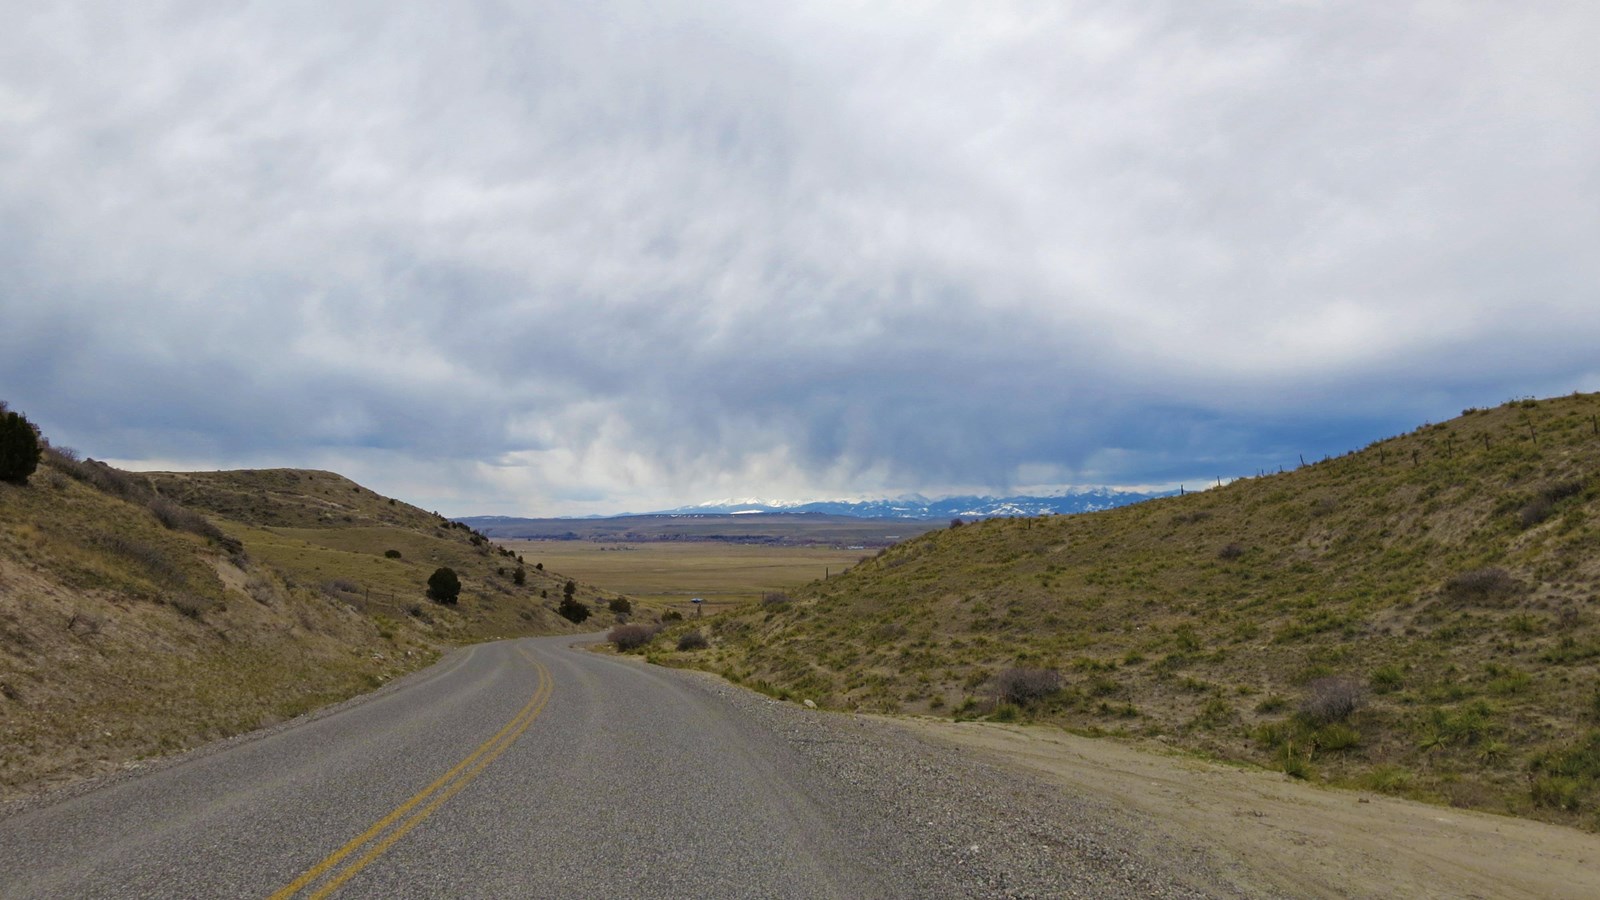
1420 617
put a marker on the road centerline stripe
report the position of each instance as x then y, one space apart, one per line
445 786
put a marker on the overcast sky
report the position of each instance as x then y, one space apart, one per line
552 258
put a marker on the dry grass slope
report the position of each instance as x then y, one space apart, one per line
140 615
1420 617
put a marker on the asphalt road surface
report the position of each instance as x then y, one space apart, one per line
531 769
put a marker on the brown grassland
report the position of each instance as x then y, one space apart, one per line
665 575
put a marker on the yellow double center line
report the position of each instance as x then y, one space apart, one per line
394 826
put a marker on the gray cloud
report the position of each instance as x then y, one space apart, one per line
567 257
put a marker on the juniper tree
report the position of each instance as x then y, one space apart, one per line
19 447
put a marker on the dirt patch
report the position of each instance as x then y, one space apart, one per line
1281 837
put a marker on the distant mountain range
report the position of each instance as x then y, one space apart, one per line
868 523
915 506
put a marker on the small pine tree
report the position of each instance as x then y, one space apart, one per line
19 448
519 577
444 586
621 605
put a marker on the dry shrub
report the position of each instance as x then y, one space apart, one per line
693 640
97 475
631 637
179 518
1543 505
261 590
1535 511
1022 685
1232 551
775 598
339 586
1491 586
85 624
152 558
1332 699
192 605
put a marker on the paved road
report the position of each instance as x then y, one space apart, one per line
521 768
530 769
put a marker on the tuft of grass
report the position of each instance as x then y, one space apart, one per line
1567 778
1387 679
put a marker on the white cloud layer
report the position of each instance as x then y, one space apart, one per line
560 257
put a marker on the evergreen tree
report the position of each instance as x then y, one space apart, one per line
573 609
443 586
19 447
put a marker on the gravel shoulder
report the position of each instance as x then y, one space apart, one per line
1280 837
937 819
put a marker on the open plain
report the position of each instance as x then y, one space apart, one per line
669 574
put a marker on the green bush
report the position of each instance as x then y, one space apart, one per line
19 448
444 586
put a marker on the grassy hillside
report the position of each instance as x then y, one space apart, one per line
145 614
1420 617
325 530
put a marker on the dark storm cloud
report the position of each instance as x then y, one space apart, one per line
568 257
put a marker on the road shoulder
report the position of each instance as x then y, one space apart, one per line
1281 836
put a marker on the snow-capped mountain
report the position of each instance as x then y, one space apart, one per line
915 506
